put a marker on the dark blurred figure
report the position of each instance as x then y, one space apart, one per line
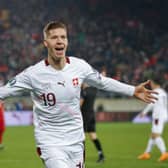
88 95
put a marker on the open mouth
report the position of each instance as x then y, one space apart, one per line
59 49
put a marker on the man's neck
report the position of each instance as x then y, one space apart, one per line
57 63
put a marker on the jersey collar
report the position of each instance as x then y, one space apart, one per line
47 63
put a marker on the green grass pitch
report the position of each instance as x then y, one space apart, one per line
122 143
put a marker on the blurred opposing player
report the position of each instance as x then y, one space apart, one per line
88 95
159 117
2 124
55 84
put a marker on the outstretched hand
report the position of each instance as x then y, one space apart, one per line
144 94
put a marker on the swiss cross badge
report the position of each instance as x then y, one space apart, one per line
75 81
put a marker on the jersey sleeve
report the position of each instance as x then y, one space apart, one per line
17 85
94 78
148 108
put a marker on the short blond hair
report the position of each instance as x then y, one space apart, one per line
53 25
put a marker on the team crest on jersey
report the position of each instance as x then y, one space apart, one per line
75 81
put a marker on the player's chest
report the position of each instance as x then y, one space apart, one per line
62 85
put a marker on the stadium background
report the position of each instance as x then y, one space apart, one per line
129 38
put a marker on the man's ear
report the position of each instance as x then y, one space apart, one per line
45 43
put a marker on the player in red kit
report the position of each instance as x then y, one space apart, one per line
2 124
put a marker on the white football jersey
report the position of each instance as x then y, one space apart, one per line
56 97
159 108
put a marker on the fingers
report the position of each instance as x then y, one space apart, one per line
149 99
146 100
144 94
152 92
146 83
150 96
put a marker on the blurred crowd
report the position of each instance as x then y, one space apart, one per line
129 39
